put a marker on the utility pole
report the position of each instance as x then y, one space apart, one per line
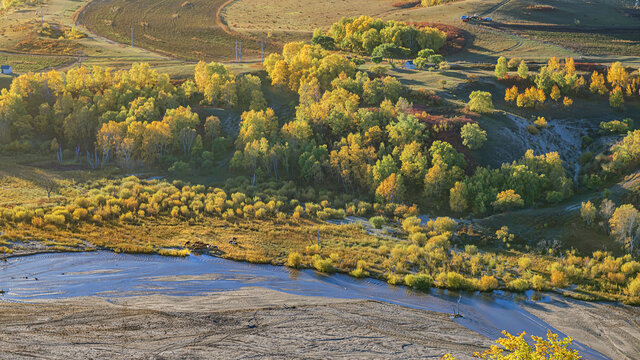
132 36
238 50
262 50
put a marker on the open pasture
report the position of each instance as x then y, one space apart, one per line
189 30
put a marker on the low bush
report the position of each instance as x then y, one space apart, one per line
471 249
538 283
518 285
377 221
55 219
174 252
323 265
294 260
420 281
487 283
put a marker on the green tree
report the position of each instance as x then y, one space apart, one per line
480 101
391 51
413 162
313 164
473 136
626 152
326 42
523 70
384 167
425 53
351 159
616 97
182 124
501 67
442 151
373 92
406 129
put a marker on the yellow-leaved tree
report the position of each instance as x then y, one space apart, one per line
516 347
597 84
617 75
391 189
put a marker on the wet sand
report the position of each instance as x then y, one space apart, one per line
251 322
612 329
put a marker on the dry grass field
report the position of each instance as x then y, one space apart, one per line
287 20
199 30
593 13
25 50
181 29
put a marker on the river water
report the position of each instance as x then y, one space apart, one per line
106 274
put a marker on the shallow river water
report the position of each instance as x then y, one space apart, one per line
106 274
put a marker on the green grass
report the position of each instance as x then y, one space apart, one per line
5 81
26 63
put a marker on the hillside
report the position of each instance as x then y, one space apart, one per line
492 162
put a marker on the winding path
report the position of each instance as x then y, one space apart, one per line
492 9
220 21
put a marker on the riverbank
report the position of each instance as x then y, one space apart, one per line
94 294
259 322
244 323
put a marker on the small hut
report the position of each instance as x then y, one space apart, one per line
409 65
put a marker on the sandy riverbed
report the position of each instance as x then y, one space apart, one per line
613 330
257 322
245 323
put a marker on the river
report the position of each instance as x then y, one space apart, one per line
107 274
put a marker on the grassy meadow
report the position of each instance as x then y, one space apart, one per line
181 29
